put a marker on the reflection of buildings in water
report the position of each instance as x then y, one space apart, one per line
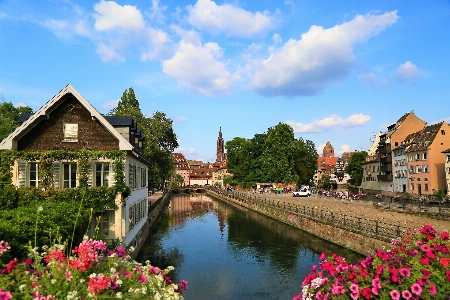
182 207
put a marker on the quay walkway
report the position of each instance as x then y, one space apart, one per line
354 224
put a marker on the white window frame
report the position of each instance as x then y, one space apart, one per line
102 175
68 182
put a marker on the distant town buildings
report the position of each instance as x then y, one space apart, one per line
196 172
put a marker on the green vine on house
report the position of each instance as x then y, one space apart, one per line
97 198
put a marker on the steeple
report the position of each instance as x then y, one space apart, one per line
220 155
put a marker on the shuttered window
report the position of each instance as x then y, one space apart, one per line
69 175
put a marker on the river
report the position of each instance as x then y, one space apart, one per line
225 252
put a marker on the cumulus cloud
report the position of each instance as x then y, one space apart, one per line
180 119
373 80
316 126
109 16
321 57
200 69
407 71
110 104
344 148
229 19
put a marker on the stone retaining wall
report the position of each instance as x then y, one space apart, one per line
354 240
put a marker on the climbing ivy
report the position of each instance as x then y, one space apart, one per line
98 198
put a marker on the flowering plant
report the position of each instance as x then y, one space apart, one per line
417 268
91 272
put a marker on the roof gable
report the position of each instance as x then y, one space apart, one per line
10 142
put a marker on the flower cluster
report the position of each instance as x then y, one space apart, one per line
91 272
417 268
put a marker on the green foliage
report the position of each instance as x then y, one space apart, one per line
275 156
8 197
440 194
176 181
355 169
8 117
326 183
55 221
160 139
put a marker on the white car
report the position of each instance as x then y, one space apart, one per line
301 193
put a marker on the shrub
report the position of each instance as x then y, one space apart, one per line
91 272
418 268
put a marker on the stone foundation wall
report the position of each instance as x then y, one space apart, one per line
354 240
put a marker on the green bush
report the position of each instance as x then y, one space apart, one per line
8 197
40 224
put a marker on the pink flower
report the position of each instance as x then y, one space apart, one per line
444 236
354 288
433 289
395 295
425 248
416 289
142 278
4 247
5 295
337 289
323 256
406 294
405 272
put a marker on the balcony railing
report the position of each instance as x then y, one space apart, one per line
386 159
387 168
385 177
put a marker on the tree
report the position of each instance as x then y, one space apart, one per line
275 156
8 117
326 181
355 169
176 181
160 139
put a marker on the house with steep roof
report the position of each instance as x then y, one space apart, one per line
396 134
70 124
181 167
426 160
371 169
326 164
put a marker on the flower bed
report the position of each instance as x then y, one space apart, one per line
417 268
91 272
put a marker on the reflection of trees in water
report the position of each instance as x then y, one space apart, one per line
246 225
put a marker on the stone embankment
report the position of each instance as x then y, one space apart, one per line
356 225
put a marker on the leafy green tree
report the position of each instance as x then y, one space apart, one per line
160 139
355 168
8 117
305 162
176 181
275 156
326 181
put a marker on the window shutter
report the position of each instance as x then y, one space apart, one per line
56 174
91 174
22 178
112 174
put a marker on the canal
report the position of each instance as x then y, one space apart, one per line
226 252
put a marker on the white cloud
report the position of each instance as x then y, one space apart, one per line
2 98
228 19
157 12
110 104
110 15
344 148
373 80
180 119
321 57
200 69
20 104
355 120
407 71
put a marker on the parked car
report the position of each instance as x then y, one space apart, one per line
302 193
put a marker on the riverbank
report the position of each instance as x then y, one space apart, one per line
363 209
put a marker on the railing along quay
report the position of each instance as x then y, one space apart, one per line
369 227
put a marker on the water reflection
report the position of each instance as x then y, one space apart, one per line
227 252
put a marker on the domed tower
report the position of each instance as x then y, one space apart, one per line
328 150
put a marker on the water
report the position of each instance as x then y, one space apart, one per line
226 252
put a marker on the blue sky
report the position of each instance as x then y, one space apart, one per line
334 71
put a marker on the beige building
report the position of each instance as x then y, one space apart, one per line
371 169
426 160
181 167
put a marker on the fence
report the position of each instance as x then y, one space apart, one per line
371 228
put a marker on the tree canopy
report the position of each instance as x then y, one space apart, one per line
355 169
275 156
160 139
8 117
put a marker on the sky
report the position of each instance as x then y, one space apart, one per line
337 71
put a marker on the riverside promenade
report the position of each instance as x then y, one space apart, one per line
361 208
352 224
